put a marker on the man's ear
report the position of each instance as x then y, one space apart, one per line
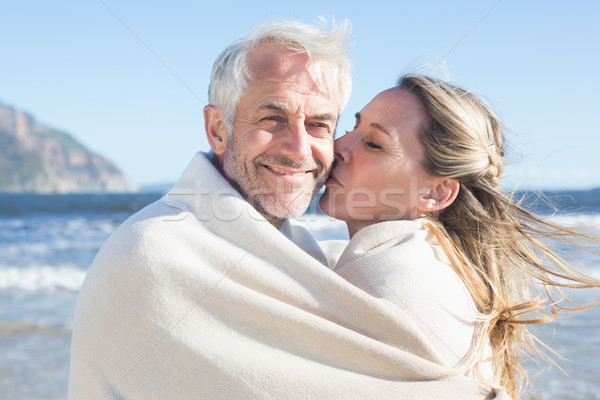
216 130
442 193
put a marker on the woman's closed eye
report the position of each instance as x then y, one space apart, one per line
372 145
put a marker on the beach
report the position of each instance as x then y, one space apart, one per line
45 250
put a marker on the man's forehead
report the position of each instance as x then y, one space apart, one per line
271 59
272 62
281 79
290 96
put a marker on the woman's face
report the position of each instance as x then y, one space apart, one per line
378 173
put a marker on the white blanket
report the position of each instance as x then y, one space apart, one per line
401 262
198 297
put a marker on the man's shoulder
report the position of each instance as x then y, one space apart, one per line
140 236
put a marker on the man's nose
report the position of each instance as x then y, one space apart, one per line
297 143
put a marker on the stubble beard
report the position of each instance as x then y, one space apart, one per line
286 200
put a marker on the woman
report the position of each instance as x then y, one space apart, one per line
416 182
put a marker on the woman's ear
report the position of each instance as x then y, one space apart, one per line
216 130
442 193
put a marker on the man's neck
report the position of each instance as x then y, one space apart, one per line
276 222
217 164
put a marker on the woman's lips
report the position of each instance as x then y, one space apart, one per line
332 180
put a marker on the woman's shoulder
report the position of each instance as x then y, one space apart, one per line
398 256
408 271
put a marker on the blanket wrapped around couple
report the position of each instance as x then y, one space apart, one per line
198 297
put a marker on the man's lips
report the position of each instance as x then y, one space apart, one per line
283 171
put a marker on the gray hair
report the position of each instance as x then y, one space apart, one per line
230 75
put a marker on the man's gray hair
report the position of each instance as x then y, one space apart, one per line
230 75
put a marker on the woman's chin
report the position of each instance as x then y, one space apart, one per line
324 204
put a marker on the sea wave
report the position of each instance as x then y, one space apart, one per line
578 220
21 328
25 204
35 250
324 226
41 278
60 224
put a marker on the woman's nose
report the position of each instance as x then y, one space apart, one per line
340 149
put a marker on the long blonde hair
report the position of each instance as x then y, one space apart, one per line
500 250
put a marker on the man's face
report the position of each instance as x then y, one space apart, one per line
281 147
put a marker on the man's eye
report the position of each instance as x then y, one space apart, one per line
273 118
319 128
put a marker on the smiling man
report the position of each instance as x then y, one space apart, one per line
146 325
280 146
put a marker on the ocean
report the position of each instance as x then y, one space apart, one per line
48 242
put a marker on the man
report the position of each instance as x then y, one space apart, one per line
207 293
275 97
274 143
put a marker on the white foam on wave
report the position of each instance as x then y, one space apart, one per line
99 225
321 224
37 249
41 278
591 270
577 220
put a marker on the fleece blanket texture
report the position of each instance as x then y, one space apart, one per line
402 262
197 296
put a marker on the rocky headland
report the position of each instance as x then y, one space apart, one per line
35 158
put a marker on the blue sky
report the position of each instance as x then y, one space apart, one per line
129 78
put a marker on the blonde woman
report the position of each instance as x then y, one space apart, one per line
416 182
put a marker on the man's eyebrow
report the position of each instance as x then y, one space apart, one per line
327 116
374 125
273 106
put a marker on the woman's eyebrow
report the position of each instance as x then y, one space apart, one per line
374 125
380 127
